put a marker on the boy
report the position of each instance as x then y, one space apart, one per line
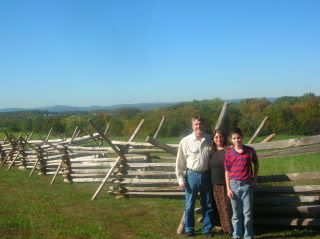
240 179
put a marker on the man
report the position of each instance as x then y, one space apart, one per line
192 170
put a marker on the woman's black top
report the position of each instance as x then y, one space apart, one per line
217 167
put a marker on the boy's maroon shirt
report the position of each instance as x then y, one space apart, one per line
238 165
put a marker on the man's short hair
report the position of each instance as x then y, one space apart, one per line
197 117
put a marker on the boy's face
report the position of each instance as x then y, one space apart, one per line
236 140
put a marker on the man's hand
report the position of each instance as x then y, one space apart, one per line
182 186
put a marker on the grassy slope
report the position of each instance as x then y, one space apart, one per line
30 208
290 164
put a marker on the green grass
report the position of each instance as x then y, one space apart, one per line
31 208
290 164
275 138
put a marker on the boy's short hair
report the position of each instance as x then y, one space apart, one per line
236 131
197 117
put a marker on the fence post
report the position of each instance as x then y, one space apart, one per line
159 127
23 162
12 151
269 138
65 151
2 153
24 155
122 168
19 152
222 116
42 162
264 121
67 166
37 149
14 159
120 158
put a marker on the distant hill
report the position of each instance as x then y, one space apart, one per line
66 108
140 106
13 110
271 99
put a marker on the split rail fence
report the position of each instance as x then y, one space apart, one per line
147 169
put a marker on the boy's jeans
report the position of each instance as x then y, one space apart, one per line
198 182
242 208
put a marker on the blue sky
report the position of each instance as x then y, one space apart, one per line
82 53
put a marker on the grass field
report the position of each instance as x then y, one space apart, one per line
30 208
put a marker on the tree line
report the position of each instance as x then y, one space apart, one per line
287 115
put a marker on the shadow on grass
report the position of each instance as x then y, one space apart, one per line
264 232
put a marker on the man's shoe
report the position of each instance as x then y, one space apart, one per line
189 234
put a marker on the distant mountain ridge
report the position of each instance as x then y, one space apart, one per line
271 99
66 108
140 106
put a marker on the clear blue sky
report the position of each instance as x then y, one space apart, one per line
82 53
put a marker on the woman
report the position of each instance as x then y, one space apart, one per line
218 180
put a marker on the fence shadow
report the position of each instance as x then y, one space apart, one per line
272 232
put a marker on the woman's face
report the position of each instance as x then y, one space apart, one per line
218 140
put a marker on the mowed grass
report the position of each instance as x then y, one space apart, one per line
31 208
290 164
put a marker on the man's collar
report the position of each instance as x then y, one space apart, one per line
194 137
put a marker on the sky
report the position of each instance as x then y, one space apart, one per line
83 53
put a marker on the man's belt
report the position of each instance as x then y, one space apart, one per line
198 171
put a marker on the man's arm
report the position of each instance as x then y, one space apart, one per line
181 165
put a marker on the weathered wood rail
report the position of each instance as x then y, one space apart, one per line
288 205
150 163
